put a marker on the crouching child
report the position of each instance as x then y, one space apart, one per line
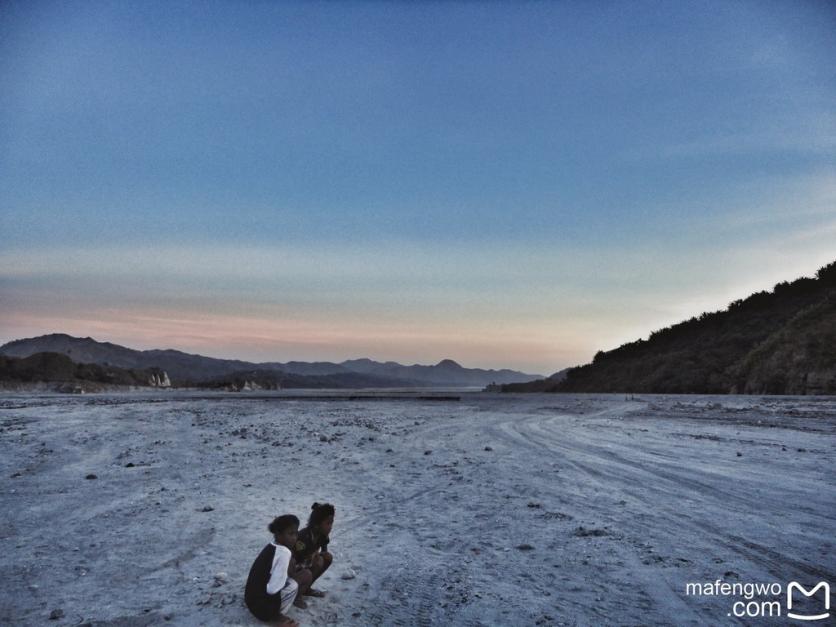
311 549
273 584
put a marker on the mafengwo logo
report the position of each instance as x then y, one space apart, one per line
766 600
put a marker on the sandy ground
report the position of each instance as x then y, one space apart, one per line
498 509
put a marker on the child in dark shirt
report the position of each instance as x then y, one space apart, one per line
311 549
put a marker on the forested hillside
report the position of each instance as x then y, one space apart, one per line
777 342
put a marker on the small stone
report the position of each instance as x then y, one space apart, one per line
220 579
91 476
525 547
129 465
489 448
323 438
739 454
208 508
427 452
56 614
349 574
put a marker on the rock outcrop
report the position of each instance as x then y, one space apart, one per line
159 380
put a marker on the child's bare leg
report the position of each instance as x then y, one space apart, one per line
325 560
319 564
304 578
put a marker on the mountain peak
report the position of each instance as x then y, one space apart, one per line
448 363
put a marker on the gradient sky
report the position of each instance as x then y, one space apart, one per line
504 184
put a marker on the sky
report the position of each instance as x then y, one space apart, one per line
513 184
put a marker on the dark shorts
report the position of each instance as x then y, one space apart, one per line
307 562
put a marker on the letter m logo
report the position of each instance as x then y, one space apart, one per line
794 585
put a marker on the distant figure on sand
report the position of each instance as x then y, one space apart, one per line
272 586
311 549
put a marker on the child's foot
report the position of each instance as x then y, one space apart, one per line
300 604
286 621
313 592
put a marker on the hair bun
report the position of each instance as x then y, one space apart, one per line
315 505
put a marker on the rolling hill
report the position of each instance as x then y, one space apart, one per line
59 369
777 342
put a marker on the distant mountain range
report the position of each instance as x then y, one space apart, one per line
778 342
549 384
185 369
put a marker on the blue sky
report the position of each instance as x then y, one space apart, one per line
506 184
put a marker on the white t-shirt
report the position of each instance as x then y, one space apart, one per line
278 572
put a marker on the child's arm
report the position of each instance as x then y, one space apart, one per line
278 574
